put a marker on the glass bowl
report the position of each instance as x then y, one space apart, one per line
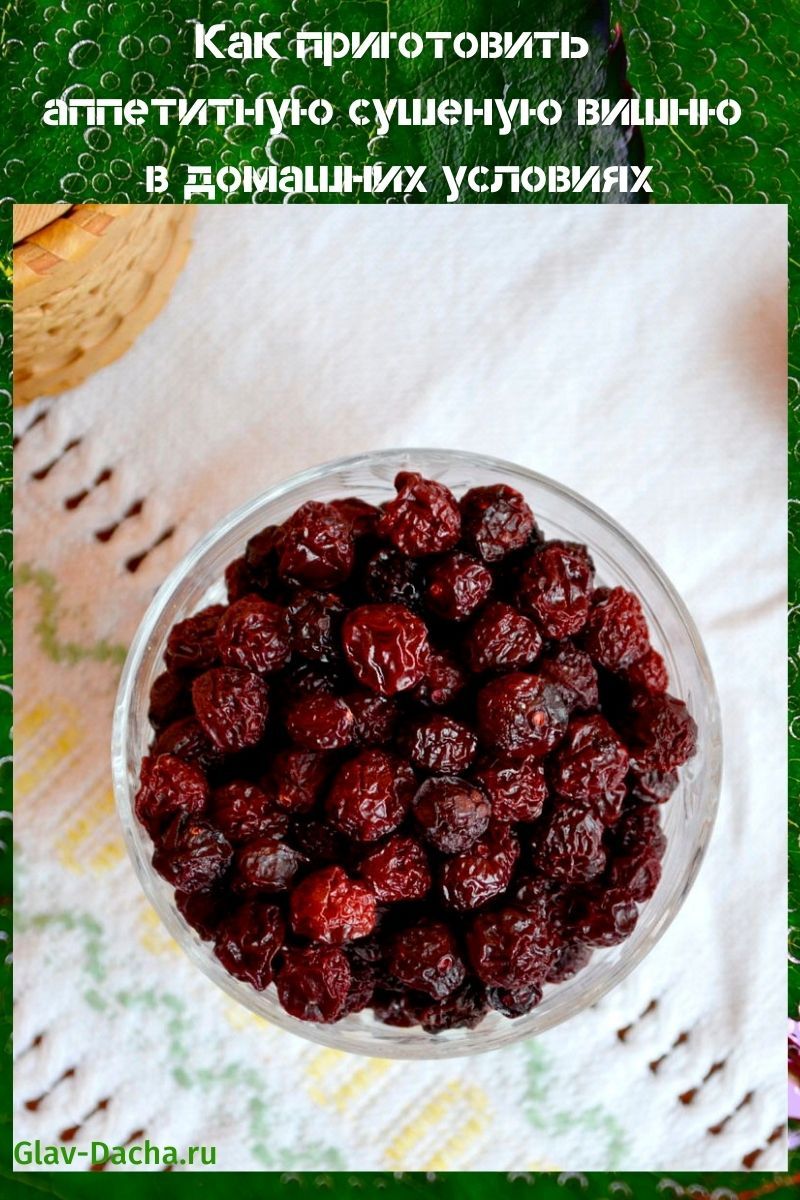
687 819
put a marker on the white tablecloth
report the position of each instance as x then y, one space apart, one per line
636 355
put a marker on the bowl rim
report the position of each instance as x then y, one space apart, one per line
326 1034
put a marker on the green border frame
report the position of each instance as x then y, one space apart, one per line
739 177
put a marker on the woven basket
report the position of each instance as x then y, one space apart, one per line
86 283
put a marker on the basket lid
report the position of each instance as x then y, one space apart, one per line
30 218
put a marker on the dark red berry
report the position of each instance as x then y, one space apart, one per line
516 1002
573 671
231 705
169 699
496 520
639 828
375 717
370 795
238 580
192 643
443 745
204 911
545 899
473 878
172 786
243 811
397 1009
648 672
464 1008
313 983
444 680
590 763
314 620
397 869
186 739
248 940
616 632
319 841
261 557
663 734
425 957
654 786
570 848
502 639
510 949
297 778
330 907
266 864
386 647
637 874
608 917
521 714
452 813
192 855
316 546
254 633
391 578
570 958
361 516
422 519
516 788
321 722
554 589
457 585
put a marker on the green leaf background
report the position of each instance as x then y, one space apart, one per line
677 48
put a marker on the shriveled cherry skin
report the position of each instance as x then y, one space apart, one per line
554 589
496 520
590 762
516 788
663 733
444 679
169 699
192 855
473 878
570 958
330 907
439 743
370 795
616 631
648 673
452 813
314 620
386 647
254 633
313 983
397 869
266 864
510 949
375 717
502 639
242 811
231 705
636 874
297 779
458 584
392 578
321 722
514 1002
520 715
639 828
192 643
248 940
425 957
462 1009
186 739
570 848
316 546
655 787
422 519
172 786
573 671
608 917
